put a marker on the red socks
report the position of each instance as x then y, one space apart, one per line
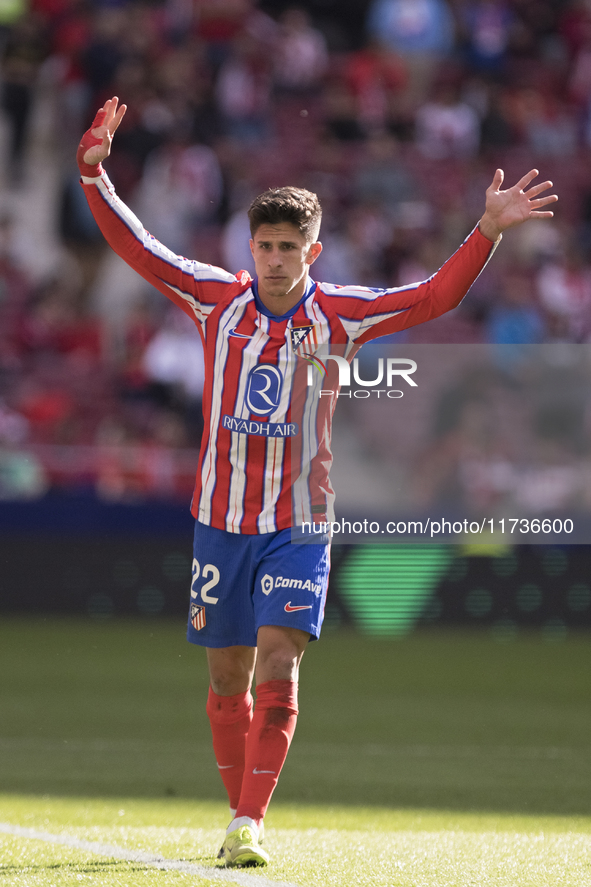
268 742
251 750
230 718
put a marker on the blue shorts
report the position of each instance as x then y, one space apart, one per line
241 582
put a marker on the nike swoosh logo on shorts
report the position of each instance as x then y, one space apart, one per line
289 609
225 766
262 771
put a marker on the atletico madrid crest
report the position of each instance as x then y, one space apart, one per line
299 333
197 617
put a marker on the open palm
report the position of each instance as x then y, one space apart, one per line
505 209
102 131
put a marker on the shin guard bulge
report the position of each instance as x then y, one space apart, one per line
269 738
230 718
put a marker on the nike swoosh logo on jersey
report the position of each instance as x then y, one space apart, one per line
262 771
239 335
289 609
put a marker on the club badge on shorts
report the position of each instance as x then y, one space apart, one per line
197 617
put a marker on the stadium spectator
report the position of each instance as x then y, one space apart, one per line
564 289
376 78
382 176
55 323
180 191
48 407
421 31
486 27
70 34
300 57
22 476
15 290
104 50
10 13
243 92
132 466
340 113
219 23
341 260
173 361
496 131
551 131
514 319
446 126
235 250
24 51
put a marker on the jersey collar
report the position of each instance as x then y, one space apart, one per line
310 287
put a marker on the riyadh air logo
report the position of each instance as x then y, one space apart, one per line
263 389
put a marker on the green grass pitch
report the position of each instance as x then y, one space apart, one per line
442 759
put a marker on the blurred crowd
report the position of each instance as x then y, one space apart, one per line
396 112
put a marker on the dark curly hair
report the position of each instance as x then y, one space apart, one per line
295 205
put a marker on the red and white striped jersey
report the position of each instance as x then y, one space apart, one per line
265 455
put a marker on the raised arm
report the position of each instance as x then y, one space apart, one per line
194 286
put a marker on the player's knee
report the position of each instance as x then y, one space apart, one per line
229 685
279 653
230 674
279 663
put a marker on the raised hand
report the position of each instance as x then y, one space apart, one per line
96 141
505 209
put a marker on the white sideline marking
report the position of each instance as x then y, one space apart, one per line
158 862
